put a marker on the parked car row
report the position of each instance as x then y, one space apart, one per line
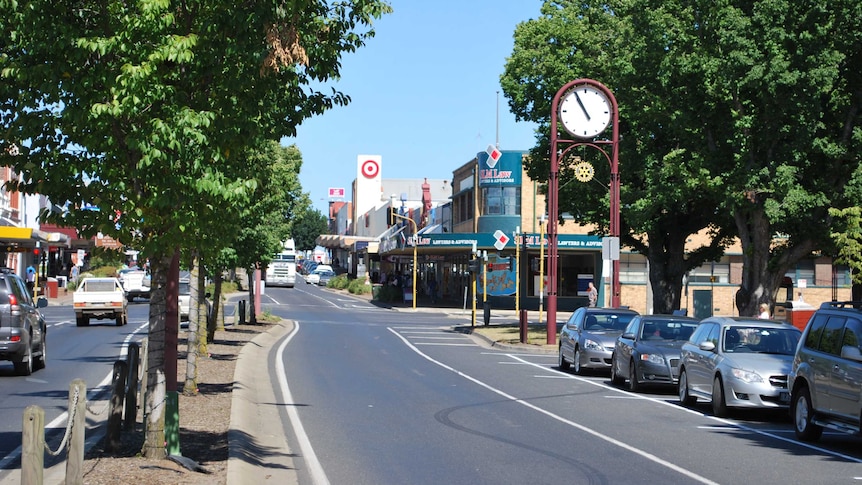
731 362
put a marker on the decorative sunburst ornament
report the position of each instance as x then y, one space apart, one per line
584 172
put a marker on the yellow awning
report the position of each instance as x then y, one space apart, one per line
28 236
15 234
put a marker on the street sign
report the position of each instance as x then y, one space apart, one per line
611 248
500 240
493 155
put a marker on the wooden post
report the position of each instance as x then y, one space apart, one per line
115 417
33 446
78 415
131 411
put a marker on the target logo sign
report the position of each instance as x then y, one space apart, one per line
370 169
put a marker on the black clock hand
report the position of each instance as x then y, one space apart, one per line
581 104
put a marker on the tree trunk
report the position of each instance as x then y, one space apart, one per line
212 321
190 387
763 265
666 270
154 405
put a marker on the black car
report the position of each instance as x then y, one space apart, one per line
22 326
648 350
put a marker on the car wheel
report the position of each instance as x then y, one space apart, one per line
25 367
684 397
719 406
82 321
803 416
562 363
43 354
577 362
616 378
634 385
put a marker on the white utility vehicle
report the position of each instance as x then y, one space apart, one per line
100 298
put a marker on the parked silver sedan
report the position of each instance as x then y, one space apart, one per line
738 362
648 350
588 337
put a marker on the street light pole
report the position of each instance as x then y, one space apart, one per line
415 244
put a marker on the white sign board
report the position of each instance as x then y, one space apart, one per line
611 248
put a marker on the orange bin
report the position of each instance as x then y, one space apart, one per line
52 287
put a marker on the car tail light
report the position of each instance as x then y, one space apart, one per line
13 304
15 338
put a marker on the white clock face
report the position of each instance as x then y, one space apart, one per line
585 111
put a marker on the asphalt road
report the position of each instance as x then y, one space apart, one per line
378 396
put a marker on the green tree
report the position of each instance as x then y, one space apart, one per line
310 224
848 239
269 217
141 109
732 122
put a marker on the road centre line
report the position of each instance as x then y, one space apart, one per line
585 429
677 407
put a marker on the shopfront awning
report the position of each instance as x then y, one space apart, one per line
340 241
28 237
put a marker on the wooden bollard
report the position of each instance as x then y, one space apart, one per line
115 418
78 416
131 411
33 446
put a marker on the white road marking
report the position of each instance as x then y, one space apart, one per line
315 469
448 345
568 422
675 405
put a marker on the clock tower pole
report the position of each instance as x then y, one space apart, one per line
579 127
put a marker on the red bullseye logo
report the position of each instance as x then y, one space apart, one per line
370 169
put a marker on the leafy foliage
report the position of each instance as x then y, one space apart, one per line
736 119
310 224
144 110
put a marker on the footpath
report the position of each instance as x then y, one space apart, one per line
258 451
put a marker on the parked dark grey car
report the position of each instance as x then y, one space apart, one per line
826 378
648 350
588 337
22 326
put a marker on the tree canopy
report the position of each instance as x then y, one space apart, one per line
736 118
143 108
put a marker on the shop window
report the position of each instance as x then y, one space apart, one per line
502 201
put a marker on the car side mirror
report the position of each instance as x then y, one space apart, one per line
707 346
41 302
629 336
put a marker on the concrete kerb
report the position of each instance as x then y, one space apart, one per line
258 449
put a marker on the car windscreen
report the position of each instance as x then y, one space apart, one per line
667 330
765 340
608 321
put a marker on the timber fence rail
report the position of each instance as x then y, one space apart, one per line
124 392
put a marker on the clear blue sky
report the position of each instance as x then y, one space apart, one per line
424 95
